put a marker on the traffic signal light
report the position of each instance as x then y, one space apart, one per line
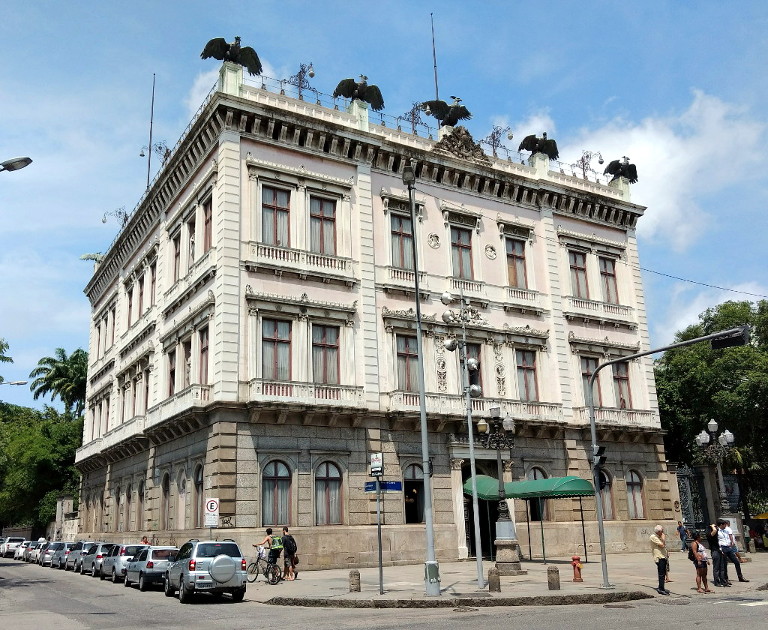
739 338
599 458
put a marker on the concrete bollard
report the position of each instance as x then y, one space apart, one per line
494 581
553 578
354 581
752 548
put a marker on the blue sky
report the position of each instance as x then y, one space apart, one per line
679 87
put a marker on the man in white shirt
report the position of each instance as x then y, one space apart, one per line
728 548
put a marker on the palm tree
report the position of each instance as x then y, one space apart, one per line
3 357
63 376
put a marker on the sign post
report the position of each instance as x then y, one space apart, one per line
377 470
211 513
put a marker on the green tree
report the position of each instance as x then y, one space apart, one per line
64 377
4 358
696 383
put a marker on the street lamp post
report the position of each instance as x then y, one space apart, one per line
501 436
15 164
13 382
299 79
464 315
716 449
431 567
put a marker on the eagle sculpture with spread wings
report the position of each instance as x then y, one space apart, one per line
360 90
448 115
544 145
622 168
218 48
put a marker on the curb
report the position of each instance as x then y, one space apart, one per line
455 602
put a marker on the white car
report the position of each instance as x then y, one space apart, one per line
8 548
19 553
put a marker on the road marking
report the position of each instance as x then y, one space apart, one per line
756 604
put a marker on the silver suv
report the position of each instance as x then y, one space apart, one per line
207 566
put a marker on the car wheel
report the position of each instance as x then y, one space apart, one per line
114 576
185 596
168 587
238 595
126 581
101 573
82 571
142 583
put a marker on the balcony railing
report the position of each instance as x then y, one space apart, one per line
592 308
628 417
456 404
123 431
306 393
467 286
88 450
301 262
192 396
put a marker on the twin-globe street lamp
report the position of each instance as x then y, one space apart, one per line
716 449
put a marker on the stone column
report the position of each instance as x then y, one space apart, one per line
458 507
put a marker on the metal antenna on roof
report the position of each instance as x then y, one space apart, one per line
434 55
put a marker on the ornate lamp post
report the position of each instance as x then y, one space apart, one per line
584 162
462 317
500 437
300 79
715 448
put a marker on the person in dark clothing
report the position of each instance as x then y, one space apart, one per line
719 568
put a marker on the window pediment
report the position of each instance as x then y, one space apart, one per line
510 227
301 307
604 347
401 203
591 242
294 176
461 216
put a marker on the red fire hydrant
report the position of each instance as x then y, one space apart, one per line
576 564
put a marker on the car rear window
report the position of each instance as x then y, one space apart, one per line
132 550
211 550
15 540
163 554
55 546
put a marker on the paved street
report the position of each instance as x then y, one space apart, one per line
35 598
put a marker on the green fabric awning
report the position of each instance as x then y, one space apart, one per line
553 487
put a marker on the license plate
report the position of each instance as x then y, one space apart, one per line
203 584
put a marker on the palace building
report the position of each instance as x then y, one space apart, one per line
253 339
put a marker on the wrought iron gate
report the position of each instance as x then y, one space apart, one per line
693 503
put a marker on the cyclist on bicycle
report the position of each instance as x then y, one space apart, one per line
274 543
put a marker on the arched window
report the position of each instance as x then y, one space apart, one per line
140 506
328 494
606 495
538 506
181 502
635 495
413 493
127 515
276 494
165 491
117 512
100 514
199 497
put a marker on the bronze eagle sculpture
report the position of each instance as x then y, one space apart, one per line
544 145
448 115
360 90
218 48
619 168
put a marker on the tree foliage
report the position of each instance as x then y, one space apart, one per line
696 384
37 454
64 377
4 358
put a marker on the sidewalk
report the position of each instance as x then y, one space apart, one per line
633 575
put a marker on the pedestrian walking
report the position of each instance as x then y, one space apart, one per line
698 555
682 531
660 557
719 570
728 547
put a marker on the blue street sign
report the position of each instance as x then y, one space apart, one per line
386 486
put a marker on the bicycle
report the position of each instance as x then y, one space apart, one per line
262 566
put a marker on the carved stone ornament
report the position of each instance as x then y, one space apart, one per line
490 252
433 240
460 144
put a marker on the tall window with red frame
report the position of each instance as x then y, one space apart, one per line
207 225
171 372
176 245
130 306
621 385
202 337
578 264
407 364
402 242
275 216
327 494
325 354
141 296
518 277
322 226
608 278
461 253
276 350
152 283
588 367
276 494
526 375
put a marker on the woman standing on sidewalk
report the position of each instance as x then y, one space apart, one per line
701 562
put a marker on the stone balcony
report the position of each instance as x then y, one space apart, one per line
620 417
394 279
603 312
192 396
457 405
314 394
301 263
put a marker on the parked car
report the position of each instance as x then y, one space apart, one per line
116 561
30 550
41 546
46 555
92 561
76 555
59 558
149 565
207 566
19 553
8 547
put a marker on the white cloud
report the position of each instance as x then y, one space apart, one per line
680 159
